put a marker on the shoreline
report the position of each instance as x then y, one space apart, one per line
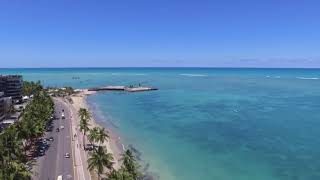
113 145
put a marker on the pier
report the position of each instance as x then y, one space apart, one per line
123 88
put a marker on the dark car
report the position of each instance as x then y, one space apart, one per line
89 147
40 150
57 130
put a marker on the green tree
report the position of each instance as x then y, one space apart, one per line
84 114
93 135
99 160
84 127
69 90
85 117
15 140
30 88
102 135
121 174
130 164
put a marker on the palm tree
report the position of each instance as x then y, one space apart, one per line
99 160
19 171
84 127
121 174
130 164
84 114
102 135
93 135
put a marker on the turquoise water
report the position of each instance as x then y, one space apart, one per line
209 124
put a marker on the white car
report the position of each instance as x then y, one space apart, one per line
61 127
67 155
62 116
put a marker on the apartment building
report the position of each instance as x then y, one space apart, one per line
12 86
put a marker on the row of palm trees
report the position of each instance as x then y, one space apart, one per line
100 160
17 141
30 87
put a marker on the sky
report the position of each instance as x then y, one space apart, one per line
159 33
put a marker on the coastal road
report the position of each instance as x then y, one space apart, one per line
54 162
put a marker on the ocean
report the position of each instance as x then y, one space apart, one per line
208 123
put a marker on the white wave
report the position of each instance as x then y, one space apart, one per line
194 75
127 74
311 78
273 77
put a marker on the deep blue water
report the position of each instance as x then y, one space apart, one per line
207 123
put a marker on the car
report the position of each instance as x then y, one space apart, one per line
67 155
61 127
90 147
40 153
51 139
59 177
57 130
62 116
41 150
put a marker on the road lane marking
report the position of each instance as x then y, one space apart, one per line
81 170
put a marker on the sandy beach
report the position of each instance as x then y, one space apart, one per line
113 145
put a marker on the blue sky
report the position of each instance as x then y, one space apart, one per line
207 33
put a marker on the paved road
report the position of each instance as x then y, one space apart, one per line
54 163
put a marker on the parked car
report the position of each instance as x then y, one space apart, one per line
41 150
67 155
89 147
41 154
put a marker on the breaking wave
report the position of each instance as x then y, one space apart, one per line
127 74
194 75
308 78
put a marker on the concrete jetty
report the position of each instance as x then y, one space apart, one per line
123 88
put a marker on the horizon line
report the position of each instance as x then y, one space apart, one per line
161 67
